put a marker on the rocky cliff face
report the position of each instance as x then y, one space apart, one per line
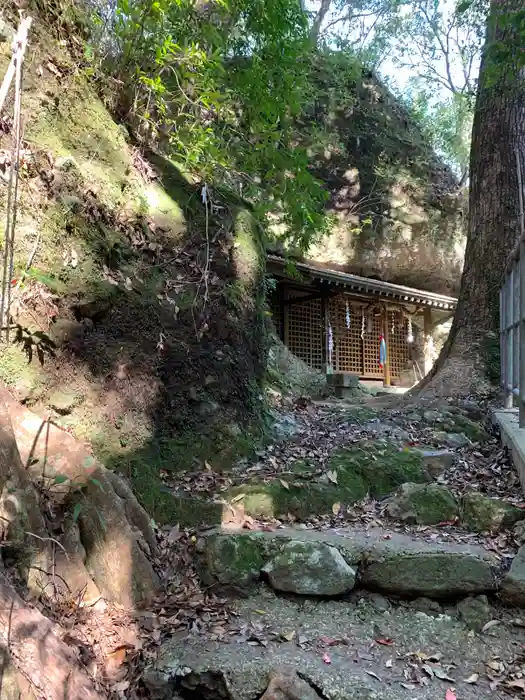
144 306
397 211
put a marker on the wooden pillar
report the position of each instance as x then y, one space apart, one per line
387 375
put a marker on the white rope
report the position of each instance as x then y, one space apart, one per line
19 48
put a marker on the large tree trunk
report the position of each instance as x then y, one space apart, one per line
498 139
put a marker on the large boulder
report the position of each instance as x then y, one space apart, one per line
481 513
291 376
424 504
310 568
110 550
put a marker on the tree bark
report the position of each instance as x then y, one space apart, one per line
38 652
498 138
318 20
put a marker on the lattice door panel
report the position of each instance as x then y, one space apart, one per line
306 332
347 354
399 349
371 346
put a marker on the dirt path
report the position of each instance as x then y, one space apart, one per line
362 645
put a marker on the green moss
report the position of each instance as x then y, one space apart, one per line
17 371
158 501
376 468
234 560
461 424
481 513
220 446
358 414
274 500
301 466
163 208
381 466
77 125
424 504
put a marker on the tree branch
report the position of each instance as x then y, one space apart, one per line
318 20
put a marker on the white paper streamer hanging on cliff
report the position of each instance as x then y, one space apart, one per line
330 343
410 335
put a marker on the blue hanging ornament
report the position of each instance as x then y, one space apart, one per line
347 316
382 352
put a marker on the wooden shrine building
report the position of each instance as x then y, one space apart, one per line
335 322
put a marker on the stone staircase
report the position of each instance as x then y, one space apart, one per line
346 615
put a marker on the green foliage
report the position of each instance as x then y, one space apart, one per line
447 124
219 87
34 341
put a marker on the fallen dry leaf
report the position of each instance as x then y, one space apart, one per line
289 635
389 663
496 665
385 642
120 687
472 679
374 675
336 508
518 683
285 484
332 475
441 674
490 624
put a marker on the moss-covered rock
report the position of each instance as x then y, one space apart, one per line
481 513
299 500
380 154
233 560
400 565
475 612
310 568
290 376
381 466
424 504
376 468
473 430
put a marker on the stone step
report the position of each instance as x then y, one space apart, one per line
340 651
328 564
